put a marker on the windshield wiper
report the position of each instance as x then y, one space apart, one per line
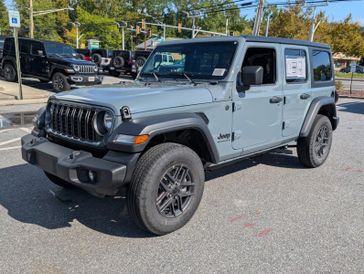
156 76
188 78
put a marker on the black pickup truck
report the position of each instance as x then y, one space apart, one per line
48 61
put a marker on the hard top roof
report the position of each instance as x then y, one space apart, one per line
260 39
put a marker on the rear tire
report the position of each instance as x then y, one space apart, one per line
60 82
96 58
9 72
314 149
140 61
58 181
166 188
118 62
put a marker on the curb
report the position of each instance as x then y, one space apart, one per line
23 102
351 97
349 79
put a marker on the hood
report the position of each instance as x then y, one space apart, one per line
139 98
70 60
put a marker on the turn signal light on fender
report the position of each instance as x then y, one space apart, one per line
129 139
141 139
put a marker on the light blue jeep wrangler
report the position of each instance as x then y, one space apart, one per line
214 101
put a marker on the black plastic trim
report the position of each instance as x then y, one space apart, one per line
67 164
156 125
314 109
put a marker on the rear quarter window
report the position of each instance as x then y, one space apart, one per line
321 65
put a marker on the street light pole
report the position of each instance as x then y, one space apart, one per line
40 13
123 38
267 27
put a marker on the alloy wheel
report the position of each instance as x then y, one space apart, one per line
175 191
322 142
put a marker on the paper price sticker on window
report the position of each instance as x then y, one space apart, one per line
295 67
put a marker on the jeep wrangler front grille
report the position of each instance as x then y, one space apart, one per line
87 69
73 121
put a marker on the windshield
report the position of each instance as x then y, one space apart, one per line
206 60
59 49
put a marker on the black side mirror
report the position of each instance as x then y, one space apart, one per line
251 75
40 53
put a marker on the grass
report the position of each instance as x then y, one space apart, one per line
348 75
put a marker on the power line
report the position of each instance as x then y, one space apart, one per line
312 2
220 5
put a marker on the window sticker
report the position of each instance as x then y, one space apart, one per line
218 72
295 67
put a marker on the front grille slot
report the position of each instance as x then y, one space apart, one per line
73 121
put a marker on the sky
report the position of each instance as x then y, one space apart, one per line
334 11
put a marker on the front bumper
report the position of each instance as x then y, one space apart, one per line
74 166
85 80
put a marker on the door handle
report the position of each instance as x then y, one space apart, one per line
275 100
305 96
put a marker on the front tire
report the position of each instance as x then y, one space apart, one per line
60 82
314 149
166 188
10 74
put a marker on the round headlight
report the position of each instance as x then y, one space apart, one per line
108 121
103 122
76 67
96 68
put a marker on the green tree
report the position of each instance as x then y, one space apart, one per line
4 26
346 37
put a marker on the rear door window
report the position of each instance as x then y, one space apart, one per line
24 46
296 65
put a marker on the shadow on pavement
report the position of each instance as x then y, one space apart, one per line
30 198
353 107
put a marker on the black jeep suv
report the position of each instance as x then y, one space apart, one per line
48 61
122 62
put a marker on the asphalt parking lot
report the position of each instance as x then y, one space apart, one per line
264 215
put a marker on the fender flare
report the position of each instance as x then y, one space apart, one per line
8 59
314 109
160 124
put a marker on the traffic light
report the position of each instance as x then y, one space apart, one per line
137 29
179 27
143 23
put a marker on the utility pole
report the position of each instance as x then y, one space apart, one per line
193 16
31 20
258 18
227 26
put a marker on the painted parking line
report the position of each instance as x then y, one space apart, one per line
10 141
6 130
27 130
10 148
